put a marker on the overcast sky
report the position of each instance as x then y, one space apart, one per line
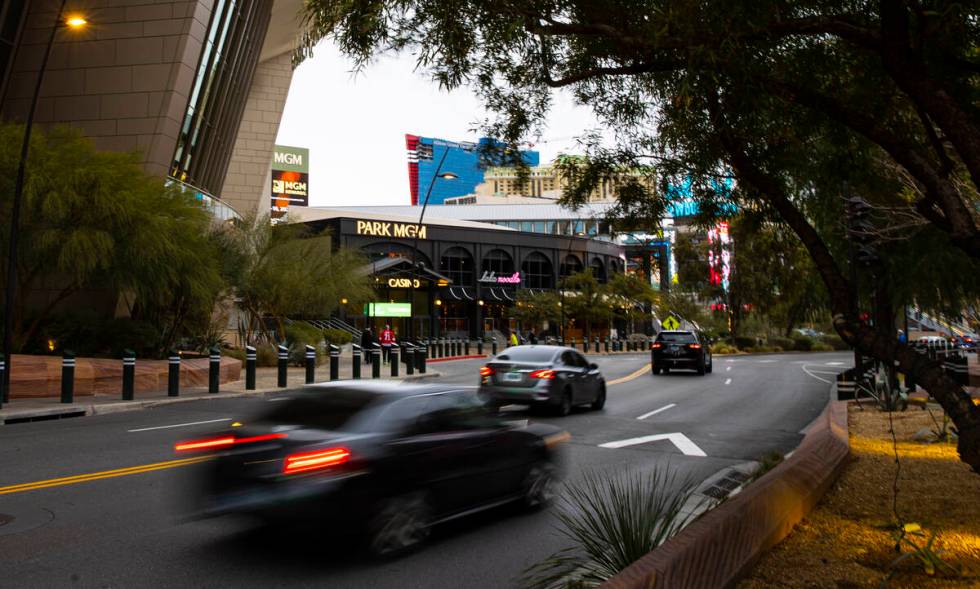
355 126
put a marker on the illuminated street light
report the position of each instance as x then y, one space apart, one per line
76 22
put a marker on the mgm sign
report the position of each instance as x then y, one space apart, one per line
387 229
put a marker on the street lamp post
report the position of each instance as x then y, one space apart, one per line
74 22
415 248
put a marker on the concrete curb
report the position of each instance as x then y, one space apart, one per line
86 409
725 543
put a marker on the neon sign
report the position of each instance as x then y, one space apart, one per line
492 277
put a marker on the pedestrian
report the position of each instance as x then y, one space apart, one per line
367 344
531 338
513 339
387 340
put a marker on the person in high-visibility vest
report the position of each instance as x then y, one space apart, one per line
513 338
387 340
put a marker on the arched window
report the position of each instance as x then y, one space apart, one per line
457 265
382 250
613 267
598 270
499 262
537 271
570 265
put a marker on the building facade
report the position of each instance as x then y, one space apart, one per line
197 87
428 157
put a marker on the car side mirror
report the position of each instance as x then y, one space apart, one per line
593 366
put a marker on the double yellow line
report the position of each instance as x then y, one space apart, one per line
105 474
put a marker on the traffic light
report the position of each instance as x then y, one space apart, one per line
860 230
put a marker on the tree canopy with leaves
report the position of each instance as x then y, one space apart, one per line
792 99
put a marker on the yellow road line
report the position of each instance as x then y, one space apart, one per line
629 377
105 474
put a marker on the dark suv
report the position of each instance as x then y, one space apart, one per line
680 349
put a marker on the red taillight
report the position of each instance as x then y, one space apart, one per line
657 345
486 371
543 374
319 459
222 442
694 346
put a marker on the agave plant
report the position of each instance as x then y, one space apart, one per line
612 522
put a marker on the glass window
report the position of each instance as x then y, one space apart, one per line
571 265
539 227
677 337
457 265
338 411
498 261
530 354
537 272
527 226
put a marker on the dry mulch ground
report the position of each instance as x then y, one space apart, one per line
848 541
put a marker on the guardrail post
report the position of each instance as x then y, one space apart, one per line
334 362
68 377
409 358
375 361
282 366
356 358
310 364
250 364
420 359
393 358
128 374
214 369
173 374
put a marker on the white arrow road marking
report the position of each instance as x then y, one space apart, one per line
146 429
767 361
729 381
656 411
682 442
815 376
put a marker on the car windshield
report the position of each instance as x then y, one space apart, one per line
336 410
528 354
677 338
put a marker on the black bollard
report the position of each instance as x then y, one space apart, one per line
572 344
310 364
493 347
409 359
128 374
3 380
356 357
479 347
214 369
595 344
466 347
250 363
393 358
68 377
605 344
283 365
334 362
376 361
173 374
420 361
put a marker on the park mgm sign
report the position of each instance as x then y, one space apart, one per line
388 229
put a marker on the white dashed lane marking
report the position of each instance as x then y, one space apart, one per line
656 411
729 381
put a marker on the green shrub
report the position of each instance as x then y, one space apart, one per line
723 348
821 347
266 355
301 333
802 344
835 342
782 342
763 349
742 342
337 337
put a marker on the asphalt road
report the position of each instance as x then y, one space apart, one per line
120 528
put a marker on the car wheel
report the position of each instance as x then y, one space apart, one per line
600 399
655 370
565 407
711 365
540 485
666 370
402 523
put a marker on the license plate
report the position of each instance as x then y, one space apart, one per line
512 377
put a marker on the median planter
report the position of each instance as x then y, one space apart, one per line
40 376
722 545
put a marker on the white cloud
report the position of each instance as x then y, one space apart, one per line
354 125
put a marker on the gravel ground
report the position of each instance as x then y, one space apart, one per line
849 540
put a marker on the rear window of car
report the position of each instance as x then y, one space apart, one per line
530 354
336 410
677 338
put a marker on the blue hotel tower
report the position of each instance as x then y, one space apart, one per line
466 160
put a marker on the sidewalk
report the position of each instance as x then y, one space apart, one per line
37 409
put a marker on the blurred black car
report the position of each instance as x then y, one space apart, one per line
389 461
551 376
680 349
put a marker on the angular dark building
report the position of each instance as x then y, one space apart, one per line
197 87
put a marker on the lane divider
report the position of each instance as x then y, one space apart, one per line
105 474
629 377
